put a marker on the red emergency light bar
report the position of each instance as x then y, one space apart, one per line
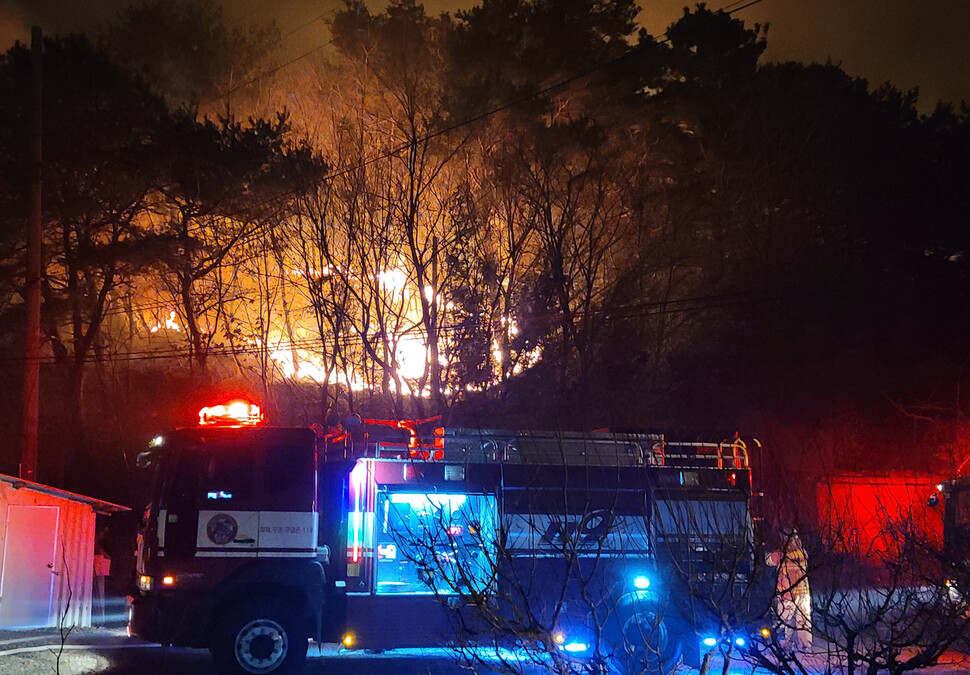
234 413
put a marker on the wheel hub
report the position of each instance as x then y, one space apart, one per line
261 645
644 641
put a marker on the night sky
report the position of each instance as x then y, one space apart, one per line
907 42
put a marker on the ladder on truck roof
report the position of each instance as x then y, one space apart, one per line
569 448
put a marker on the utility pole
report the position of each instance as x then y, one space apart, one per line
31 404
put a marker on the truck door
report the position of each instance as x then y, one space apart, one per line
287 514
956 523
228 500
211 503
179 515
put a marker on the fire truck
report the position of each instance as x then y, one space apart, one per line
618 552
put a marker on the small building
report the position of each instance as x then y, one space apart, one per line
869 513
46 554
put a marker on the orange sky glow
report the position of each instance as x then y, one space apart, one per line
907 42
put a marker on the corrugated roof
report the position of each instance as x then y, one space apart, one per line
99 505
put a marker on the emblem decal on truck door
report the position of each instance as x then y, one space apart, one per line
222 528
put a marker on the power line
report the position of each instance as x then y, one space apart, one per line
695 304
264 74
319 17
730 8
271 71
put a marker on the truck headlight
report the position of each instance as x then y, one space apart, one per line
144 582
575 647
572 643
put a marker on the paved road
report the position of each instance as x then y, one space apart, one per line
108 651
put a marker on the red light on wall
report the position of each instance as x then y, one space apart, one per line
234 413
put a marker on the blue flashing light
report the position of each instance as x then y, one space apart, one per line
709 641
739 641
575 647
641 582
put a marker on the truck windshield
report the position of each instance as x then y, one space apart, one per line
434 543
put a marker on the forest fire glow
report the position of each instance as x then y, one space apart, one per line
169 323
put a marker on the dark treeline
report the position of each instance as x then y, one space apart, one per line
527 214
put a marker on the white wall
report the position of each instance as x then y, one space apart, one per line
73 560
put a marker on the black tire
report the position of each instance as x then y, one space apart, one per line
644 643
259 637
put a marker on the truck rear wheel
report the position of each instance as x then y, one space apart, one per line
259 637
645 644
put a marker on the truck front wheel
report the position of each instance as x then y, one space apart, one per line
259 637
646 644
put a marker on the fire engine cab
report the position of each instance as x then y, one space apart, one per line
625 550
